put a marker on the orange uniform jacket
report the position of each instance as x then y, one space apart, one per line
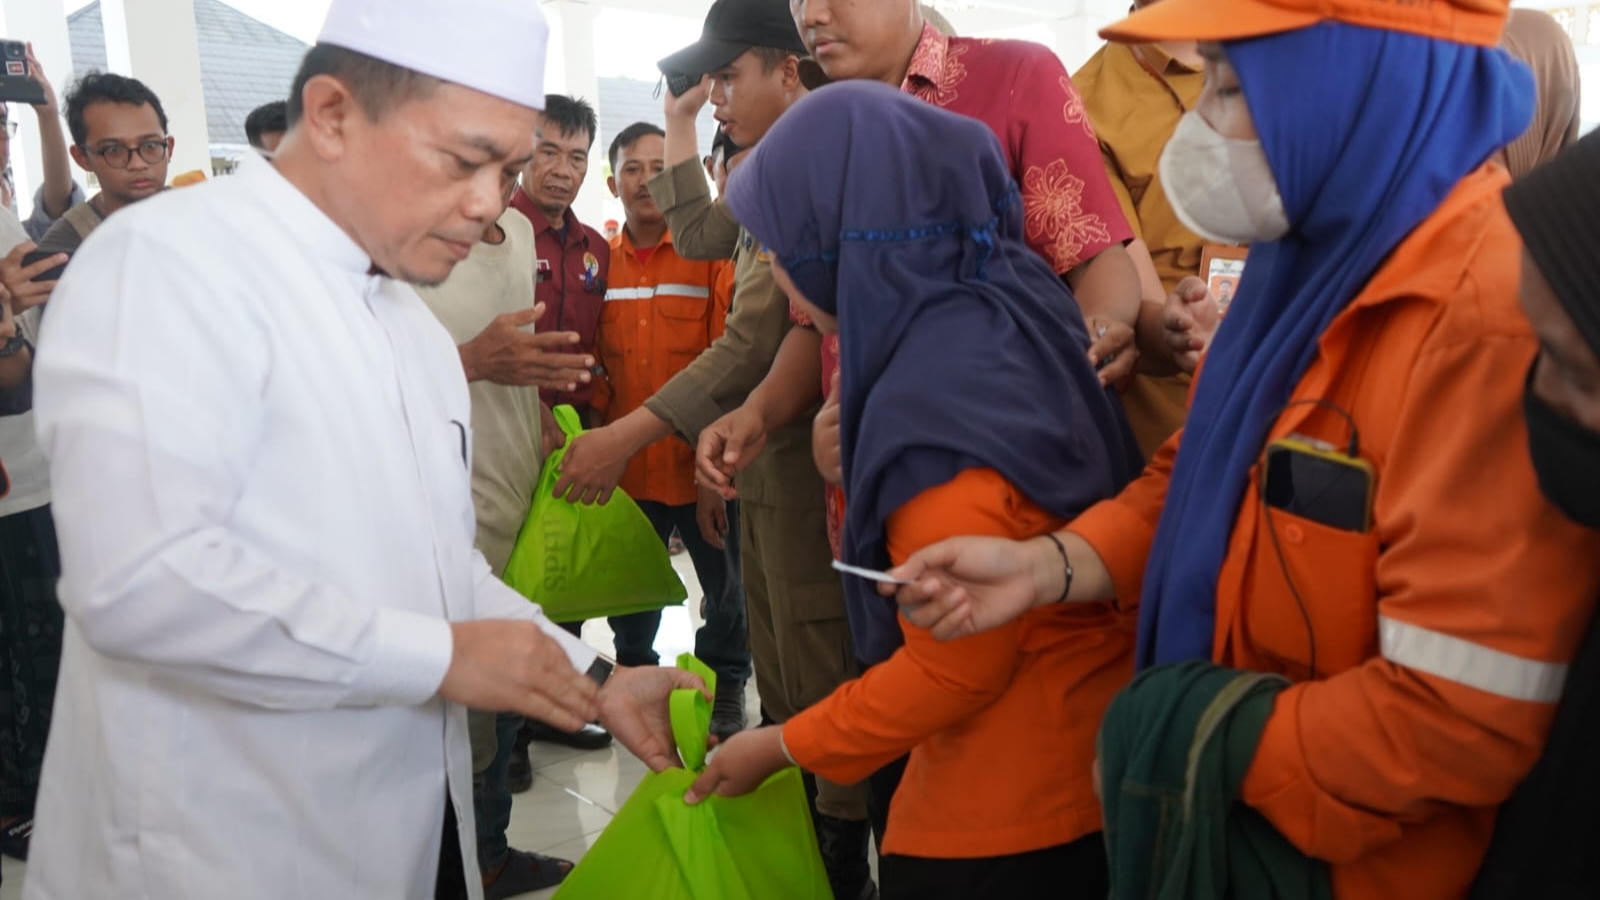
658 316
1001 725
1443 635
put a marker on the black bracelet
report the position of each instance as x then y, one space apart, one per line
1065 563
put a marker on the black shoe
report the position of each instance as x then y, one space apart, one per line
727 712
589 737
844 855
524 873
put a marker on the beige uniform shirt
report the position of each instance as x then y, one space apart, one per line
724 375
506 450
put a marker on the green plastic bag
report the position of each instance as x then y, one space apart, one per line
757 847
585 562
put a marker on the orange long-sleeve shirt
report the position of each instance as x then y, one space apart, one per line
660 314
1443 634
1001 726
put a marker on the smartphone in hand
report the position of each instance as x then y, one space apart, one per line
53 274
16 79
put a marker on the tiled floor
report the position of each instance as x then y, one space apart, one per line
575 793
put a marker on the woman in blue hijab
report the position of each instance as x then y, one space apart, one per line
1352 505
967 404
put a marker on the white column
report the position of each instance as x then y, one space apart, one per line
570 70
44 23
155 42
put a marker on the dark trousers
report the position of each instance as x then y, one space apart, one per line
634 635
31 623
1077 869
451 882
491 799
723 642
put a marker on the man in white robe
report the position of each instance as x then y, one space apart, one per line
259 444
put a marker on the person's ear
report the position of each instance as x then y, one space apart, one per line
791 74
611 185
329 112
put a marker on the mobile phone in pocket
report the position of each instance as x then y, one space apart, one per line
1319 485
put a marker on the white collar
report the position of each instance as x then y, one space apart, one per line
314 229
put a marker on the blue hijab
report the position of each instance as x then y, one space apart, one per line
959 347
1366 132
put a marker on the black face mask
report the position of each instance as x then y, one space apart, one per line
1566 456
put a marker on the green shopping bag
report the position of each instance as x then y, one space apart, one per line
757 847
586 562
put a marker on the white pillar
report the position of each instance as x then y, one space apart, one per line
570 70
155 42
44 23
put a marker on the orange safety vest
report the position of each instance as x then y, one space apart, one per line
658 316
1442 635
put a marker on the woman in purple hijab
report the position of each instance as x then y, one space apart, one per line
967 403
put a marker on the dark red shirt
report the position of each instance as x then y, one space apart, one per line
1022 92
572 267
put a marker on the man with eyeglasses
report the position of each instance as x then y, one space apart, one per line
119 133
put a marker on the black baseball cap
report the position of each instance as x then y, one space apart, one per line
733 27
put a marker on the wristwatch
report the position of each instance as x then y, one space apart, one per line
16 345
600 670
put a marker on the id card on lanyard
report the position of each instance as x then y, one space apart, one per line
1222 266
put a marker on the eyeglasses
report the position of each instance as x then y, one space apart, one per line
117 156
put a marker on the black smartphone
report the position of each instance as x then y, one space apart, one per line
679 83
54 274
1320 485
16 81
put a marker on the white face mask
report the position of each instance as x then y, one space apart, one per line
1221 188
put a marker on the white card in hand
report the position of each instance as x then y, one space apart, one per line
868 574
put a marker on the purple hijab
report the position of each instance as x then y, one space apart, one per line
959 347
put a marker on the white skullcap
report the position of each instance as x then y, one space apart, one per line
493 46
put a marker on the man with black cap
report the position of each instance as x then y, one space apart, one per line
1546 833
749 55
276 617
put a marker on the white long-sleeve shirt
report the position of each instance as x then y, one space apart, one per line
258 453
